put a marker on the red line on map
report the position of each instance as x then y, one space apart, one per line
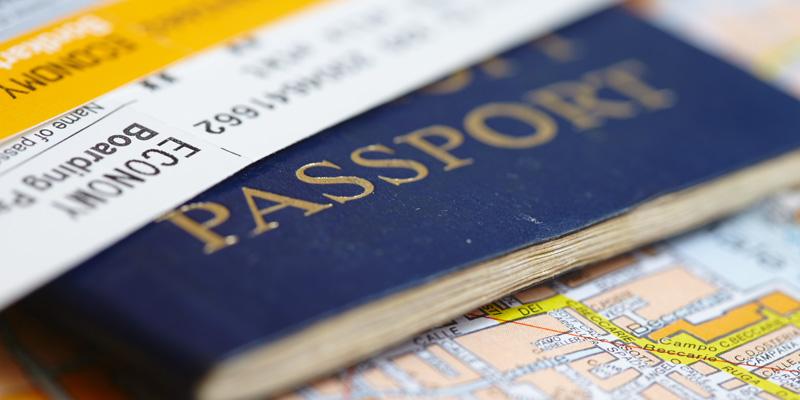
635 346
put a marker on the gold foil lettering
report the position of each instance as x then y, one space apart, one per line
202 231
477 126
578 103
366 186
420 169
452 137
282 202
625 78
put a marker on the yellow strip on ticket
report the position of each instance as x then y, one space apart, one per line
61 66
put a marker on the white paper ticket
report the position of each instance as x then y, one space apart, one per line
147 103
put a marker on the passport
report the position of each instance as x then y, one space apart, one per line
603 137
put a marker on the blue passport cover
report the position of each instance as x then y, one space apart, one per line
516 151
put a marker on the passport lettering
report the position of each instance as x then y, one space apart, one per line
619 91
